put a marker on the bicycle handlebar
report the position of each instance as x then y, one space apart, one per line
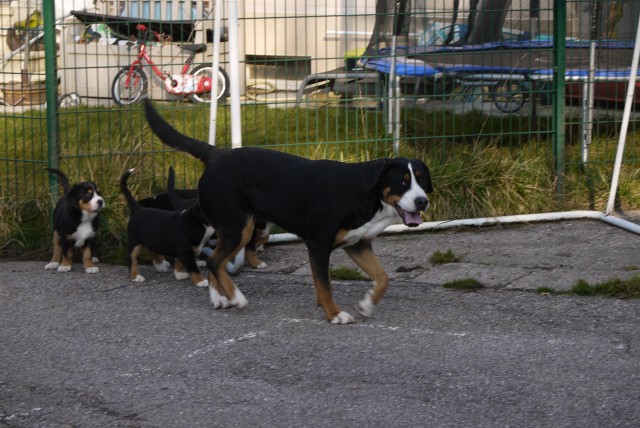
145 34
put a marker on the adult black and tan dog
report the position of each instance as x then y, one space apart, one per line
179 234
75 224
328 204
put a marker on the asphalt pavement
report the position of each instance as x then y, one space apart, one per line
95 350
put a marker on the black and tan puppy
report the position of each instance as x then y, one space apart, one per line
75 224
171 200
178 234
328 204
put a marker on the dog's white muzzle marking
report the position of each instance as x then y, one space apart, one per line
408 200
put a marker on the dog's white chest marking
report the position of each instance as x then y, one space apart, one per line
383 218
85 230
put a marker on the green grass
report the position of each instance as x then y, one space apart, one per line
621 289
615 288
481 166
441 258
465 284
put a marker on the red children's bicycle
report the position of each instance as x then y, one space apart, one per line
130 84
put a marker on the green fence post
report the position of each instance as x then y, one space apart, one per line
51 81
559 39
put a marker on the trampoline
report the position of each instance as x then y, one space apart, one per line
492 44
509 69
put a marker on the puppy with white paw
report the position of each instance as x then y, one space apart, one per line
178 234
75 224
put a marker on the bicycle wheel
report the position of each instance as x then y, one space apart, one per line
509 96
71 99
223 84
126 94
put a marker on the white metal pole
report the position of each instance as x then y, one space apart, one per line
625 122
393 115
588 94
215 64
391 87
234 74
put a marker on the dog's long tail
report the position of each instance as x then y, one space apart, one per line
62 179
171 137
174 198
131 201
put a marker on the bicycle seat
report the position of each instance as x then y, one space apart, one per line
194 48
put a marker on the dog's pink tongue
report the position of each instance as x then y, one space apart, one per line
411 219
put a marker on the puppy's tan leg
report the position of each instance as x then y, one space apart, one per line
56 257
67 261
199 280
179 270
362 254
87 260
133 264
259 238
253 260
160 263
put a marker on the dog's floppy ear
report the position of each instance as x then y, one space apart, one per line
423 175
375 171
73 196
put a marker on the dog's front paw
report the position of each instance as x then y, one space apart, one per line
180 275
262 265
94 269
203 283
138 278
163 266
201 263
62 268
52 266
218 301
95 260
343 318
365 306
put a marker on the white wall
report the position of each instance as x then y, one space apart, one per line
323 29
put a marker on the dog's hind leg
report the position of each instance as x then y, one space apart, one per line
228 245
57 253
319 258
362 255
134 252
215 292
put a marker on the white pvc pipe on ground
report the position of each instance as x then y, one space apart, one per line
491 221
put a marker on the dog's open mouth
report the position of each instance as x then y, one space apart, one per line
411 219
